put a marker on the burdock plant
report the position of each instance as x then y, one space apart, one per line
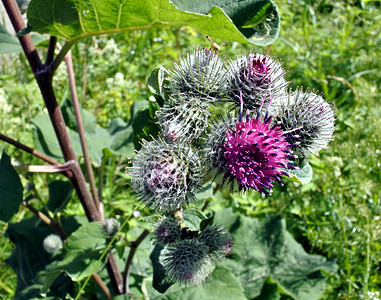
252 148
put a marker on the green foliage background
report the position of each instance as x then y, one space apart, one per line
331 46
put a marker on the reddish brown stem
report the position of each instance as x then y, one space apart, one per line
43 75
34 152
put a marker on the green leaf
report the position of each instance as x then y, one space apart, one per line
159 281
118 138
156 83
60 193
208 221
81 254
263 249
11 189
9 43
303 175
221 285
145 127
72 19
257 20
193 218
28 257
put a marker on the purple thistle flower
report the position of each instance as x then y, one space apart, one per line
254 153
256 76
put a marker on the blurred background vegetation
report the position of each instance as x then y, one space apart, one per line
333 47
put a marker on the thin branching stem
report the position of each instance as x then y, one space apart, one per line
127 270
56 226
53 66
34 152
81 130
51 48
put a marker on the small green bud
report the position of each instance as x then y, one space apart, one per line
52 243
111 226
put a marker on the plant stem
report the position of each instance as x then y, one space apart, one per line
47 169
53 66
81 130
46 220
102 285
26 42
51 48
127 270
34 152
44 76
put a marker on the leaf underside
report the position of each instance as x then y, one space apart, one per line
255 21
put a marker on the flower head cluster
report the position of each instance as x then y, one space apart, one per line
164 176
307 116
256 77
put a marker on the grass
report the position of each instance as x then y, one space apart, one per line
331 46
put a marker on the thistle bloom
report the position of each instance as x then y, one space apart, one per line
256 76
187 262
199 74
311 115
253 153
164 176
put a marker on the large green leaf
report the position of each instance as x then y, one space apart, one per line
10 189
10 43
264 250
74 19
221 285
81 254
257 20
28 257
59 194
118 138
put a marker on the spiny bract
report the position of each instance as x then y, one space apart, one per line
187 262
200 74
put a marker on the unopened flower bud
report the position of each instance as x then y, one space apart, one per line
187 262
167 231
307 116
165 176
218 239
199 74
52 243
256 76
